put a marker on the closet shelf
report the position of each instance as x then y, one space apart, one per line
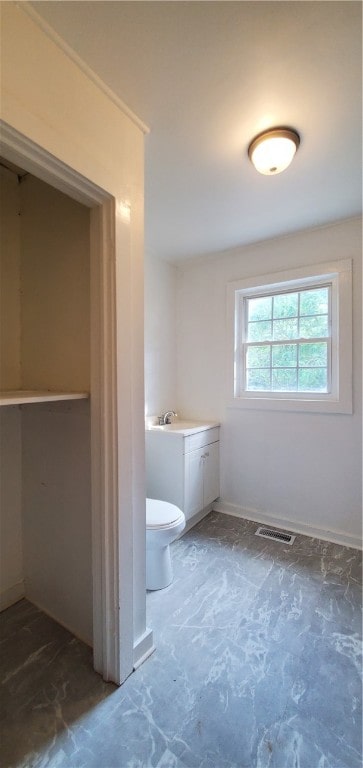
22 396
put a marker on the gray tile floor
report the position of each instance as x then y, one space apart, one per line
257 665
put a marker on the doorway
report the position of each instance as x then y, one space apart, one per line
46 547
112 555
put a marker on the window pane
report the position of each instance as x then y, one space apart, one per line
258 379
260 309
284 355
259 331
314 302
258 357
284 329
284 379
311 355
286 305
313 380
314 326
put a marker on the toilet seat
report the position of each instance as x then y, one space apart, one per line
161 515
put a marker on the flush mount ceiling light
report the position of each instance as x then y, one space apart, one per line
272 151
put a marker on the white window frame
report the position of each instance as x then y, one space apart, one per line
338 399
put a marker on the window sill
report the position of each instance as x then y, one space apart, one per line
262 403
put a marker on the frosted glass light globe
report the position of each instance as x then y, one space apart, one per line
273 151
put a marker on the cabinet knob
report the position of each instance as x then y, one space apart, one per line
206 454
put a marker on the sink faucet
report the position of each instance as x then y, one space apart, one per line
166 417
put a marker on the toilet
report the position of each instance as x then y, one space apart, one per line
164 522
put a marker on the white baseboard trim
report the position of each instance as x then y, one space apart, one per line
192 521
336 537
54 617
11 595
143 648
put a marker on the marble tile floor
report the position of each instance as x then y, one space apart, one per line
257 665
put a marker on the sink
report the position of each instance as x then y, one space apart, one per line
183 428
176 425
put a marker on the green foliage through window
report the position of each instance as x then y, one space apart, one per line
287 341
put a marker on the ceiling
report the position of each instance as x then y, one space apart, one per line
206 77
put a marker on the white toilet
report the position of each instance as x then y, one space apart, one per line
164 522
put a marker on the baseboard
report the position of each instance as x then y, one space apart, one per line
11 595
54 617
143 648
336 537
192 521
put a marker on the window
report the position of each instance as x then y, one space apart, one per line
287 341
292 339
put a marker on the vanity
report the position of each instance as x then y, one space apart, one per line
182 466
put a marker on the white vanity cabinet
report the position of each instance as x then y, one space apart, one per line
182 466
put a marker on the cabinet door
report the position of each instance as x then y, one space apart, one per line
194 467
211 473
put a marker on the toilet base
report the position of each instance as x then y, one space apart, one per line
159 573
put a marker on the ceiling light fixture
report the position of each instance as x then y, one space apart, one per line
272 151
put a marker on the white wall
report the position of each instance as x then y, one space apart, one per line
55 354
11 549
160 336
56 512
299 467
50 97
11 554
55 277
46 548
9 281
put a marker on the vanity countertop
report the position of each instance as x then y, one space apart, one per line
183 428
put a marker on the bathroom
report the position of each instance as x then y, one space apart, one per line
232 681
237 600
186 369
187 358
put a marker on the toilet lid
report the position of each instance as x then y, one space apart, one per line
161 513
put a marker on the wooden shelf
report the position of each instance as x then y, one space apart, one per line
23 396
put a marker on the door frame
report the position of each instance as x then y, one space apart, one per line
112 548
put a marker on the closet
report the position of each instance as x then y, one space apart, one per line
45 474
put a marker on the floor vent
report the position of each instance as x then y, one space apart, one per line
282 536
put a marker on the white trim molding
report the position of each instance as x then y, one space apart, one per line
32 158
257 516
339 399
105 522
112 421
48 30
143 648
